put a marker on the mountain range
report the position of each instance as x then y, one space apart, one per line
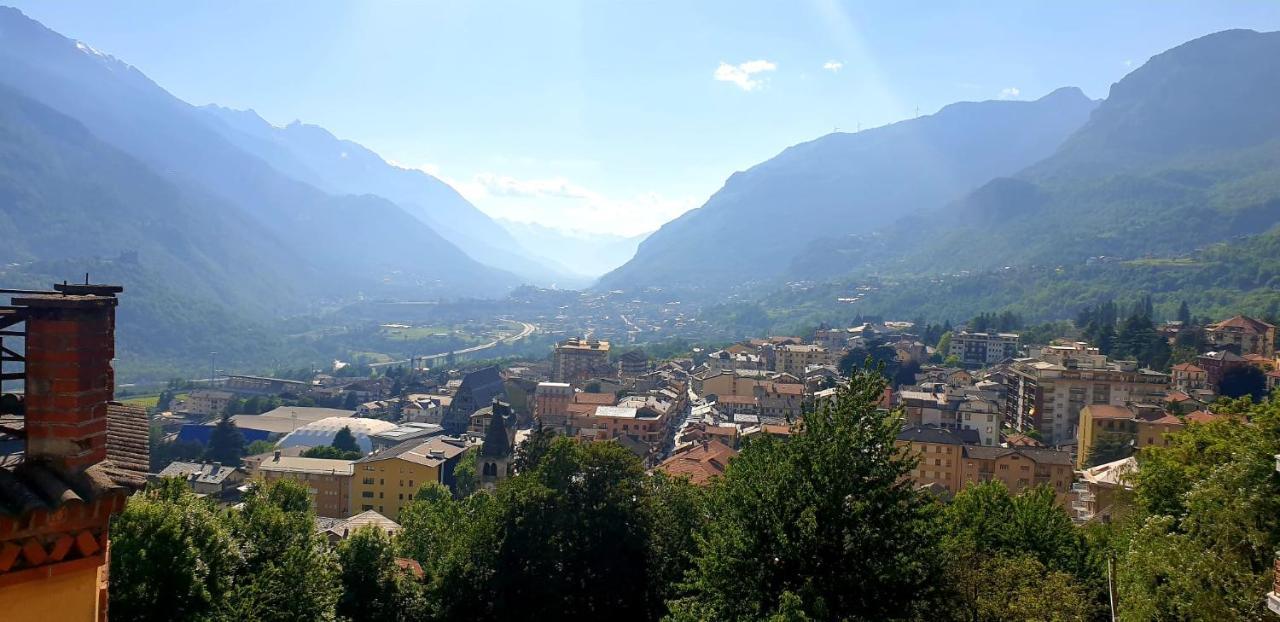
844 183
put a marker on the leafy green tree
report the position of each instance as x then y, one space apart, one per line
529 454
829 515
226 443
676 515
1109 447
330 452
466 474
289 571
344 440
1184 314
260 447
1243 380
1208 522
350 402
374 587
171 557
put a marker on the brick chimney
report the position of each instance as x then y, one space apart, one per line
70 342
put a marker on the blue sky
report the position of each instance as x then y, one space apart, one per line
613 116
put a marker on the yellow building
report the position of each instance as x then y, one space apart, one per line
386 481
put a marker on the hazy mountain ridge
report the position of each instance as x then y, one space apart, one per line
584 254
124 108
848 183
312 154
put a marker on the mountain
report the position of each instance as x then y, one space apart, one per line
311 154
583 254
847 183
1184 152
359 243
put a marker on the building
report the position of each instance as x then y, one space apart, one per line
699 462
425 408
477 390
259 385
386 481
81 454
576 360
633 363
950 459
204 478
495 452
1134 425
1243 335
321 433
983 349
781 401
794 358
1216 364
338 529
1187 377
483 418
328 482
1046 393
1101 490
207 402
944 406
405 432
551 404
269 426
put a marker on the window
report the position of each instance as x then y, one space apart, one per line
368 481
368 494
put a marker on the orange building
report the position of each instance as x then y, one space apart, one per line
328 482
82 456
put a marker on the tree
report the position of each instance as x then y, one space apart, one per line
1243 380
350 402
226 443
1184 314
330 452
1109 447
829 509
260 447
344 440
466 474
529 454
289 571
374 588
1201 545
171 557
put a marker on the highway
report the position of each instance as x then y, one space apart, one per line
526 329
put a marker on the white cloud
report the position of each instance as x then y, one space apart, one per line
1010 92
741 74
833 66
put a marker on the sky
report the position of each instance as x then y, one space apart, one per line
619 116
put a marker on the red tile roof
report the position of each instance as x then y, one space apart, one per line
1187 367
699 462
1243 322
598 399
1202 416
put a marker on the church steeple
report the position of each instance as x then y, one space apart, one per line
497 443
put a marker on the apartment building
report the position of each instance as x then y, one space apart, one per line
1046 393
944 406
1243 335
983 349
551 403
1138 425
328 482
386 481
578 360
794 358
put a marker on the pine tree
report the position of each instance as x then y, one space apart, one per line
226 442
344 440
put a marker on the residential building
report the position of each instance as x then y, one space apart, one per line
1020 468
939 452
983 349
1133 425
944 406
81 454
204 478
328 482
207 402
551 403
1101 490
1188 377
576 360
387 480
699 462
633 363
794 358
783 401
339 529
425 408
1046 393
1216 364
1243 335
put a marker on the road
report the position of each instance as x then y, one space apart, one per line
526 329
